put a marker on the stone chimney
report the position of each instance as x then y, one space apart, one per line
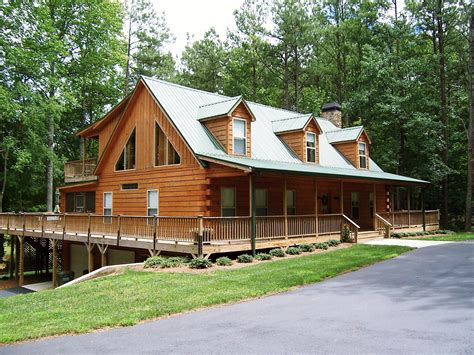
332 112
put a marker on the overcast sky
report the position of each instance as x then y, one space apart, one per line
196 17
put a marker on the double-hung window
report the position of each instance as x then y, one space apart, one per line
239 136
152 204
261 202
228 204
310 147
290 202
362 155
107 207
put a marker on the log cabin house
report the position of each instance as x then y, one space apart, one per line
181 170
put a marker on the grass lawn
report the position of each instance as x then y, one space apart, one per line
458 237
125 299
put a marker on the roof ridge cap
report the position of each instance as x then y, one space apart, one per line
183 87
218 102
292 118
342 129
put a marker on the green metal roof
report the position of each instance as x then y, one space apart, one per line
344 134
185 107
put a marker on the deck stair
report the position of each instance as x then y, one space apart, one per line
363 235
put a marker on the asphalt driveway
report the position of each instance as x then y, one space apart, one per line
421 302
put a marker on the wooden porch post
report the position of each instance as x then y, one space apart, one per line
285 209
12 255
253 213
375 206
83 141
409 205
342 197
423 214
103 254
54 244
21 272
316 206
90 256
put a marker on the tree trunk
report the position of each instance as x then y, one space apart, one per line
4 180
443 110
470 133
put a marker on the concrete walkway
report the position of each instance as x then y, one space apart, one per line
406 242
419 303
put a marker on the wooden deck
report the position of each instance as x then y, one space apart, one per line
198 235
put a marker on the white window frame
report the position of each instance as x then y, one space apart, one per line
235 200
166 149
148 208
107 218
308 147
362 155
234 137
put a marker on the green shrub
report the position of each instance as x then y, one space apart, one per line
346 234
293 251
245 258
278 253
153 262
200 263
323 246
396 235
223 261
263 256
333 242
307 248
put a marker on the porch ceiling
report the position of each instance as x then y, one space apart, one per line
251 164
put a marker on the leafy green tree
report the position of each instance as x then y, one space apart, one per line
148 34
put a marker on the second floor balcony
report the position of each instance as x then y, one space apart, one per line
80 170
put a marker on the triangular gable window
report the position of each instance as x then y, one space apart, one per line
165 154
127 158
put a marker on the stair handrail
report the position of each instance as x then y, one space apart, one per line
387 225
354 224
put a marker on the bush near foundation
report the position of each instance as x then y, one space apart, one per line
224 261
279 253
245 258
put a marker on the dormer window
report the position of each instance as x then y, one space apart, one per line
310 147
127 158
362 155
239 136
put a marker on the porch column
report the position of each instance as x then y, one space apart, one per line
103 254
12 255
253 213
423 214
316 206
90 259
342 197
83 141
21 271
285 209
408 205
54 244
375 205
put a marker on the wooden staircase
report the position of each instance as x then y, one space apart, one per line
365 235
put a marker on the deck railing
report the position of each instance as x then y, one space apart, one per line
79 169
408 219
383 226
198 230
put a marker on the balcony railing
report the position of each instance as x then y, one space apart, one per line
80 170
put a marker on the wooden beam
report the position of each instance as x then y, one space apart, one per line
54 244
90 256
253 213
285 209
21 271
316 206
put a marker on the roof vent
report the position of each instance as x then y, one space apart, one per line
332 112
